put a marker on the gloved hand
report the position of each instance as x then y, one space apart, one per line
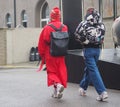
86 41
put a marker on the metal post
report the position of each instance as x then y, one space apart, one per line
101 8
14 13
60 5
115 9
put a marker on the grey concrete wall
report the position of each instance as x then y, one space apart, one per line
108 41
15 44
2 46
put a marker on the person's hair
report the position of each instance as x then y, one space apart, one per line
90 10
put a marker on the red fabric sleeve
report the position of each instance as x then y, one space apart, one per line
44 40
41 48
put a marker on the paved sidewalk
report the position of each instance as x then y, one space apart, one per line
33 64
24 87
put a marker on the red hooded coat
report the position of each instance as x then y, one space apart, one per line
56 67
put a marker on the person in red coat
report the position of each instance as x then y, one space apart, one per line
56 67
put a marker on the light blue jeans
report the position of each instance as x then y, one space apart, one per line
91 72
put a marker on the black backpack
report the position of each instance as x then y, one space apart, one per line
59 41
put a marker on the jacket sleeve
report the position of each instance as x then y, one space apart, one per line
44 41
41 46
80 34
102 29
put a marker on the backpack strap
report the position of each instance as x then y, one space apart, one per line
56 29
